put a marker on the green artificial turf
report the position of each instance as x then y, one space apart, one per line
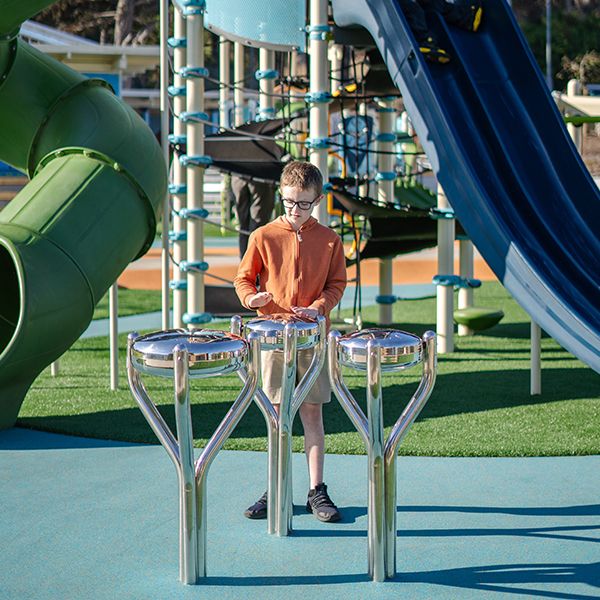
131 302
480 406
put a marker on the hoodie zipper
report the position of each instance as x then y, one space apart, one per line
297 266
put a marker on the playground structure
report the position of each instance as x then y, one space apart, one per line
112 169
494 186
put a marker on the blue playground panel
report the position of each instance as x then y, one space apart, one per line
277 24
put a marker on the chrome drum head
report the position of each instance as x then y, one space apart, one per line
271 328
211 352
399 349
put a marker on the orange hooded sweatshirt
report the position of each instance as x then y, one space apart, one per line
299 268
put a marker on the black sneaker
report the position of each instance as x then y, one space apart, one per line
432 52
258 510
319 504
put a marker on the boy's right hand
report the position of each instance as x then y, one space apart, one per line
260 299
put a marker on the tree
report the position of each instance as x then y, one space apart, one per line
129 22
124 21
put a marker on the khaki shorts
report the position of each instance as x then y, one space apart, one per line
272 371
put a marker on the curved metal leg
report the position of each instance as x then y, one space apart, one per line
180 452
342 393
400 429
316 364
219 437
188 571
284 480
375 450
272 422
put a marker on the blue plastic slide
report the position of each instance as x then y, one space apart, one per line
499 148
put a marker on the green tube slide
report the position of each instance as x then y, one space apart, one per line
98 179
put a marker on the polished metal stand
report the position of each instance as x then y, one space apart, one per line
285 333
183 354
376 351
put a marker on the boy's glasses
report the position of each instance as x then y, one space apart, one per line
304 205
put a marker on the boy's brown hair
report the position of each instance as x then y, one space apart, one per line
303 175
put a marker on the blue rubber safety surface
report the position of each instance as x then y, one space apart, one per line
88 519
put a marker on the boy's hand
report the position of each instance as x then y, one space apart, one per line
305 312
260 299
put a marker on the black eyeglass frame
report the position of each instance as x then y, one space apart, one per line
302 204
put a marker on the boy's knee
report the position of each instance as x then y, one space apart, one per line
311 412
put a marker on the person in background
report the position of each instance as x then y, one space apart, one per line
254 202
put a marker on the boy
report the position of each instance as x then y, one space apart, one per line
301 269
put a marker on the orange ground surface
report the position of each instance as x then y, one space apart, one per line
413 268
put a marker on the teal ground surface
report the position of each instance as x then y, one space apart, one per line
88 519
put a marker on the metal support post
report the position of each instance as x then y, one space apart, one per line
164 142
319 87
445 293
465 294
113 338
225 121
375 451
386 176
336 54
536 360
196 162
289 334
576 133
187 490
266 76
288 383
238 76
225 80
178 174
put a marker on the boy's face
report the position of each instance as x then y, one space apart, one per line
298 204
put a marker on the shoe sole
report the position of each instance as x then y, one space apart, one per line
255 515
333 519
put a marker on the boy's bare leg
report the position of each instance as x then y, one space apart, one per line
318 502
314 440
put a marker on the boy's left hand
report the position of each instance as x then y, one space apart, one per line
305 312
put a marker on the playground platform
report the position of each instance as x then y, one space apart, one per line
86 518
